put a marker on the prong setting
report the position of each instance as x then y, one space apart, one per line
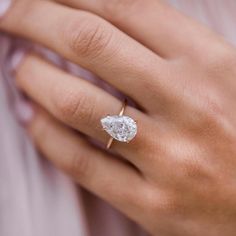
121 128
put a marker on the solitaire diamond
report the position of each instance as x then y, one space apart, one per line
121 128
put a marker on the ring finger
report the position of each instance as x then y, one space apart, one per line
78 103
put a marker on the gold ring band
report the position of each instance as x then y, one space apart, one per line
122 111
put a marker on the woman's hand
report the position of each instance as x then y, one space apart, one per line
182 180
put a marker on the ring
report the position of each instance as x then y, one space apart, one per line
120 127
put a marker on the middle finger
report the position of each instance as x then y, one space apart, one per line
93 43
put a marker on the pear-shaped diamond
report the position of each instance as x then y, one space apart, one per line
121 128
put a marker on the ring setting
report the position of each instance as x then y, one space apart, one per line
120 127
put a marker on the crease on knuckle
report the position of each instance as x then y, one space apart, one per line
74 106
214 118
196 170
89 39
79 166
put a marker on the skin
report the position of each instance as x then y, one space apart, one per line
181 165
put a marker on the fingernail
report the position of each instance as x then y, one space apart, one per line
17 58
4 6
25 111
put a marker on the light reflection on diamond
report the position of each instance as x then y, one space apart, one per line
121 128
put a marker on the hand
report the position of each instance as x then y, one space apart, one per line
181 180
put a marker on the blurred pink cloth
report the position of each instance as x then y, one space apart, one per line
35 198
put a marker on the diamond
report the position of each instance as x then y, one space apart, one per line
121 128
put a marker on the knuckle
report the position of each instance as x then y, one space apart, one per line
213 106
74 106
193 169
79 166
211 113
66 104
151 201
170 205
214 115
88 38
165 204
190 168
220 61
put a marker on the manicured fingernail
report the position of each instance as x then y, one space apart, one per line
4 6
17 58
25 111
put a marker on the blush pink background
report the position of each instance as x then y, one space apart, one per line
35 198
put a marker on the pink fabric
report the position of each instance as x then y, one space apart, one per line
35 198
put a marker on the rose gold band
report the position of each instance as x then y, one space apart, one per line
110 141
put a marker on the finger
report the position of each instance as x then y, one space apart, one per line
78 103
157 19
91 42
95 170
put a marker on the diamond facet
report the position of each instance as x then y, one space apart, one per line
121 128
